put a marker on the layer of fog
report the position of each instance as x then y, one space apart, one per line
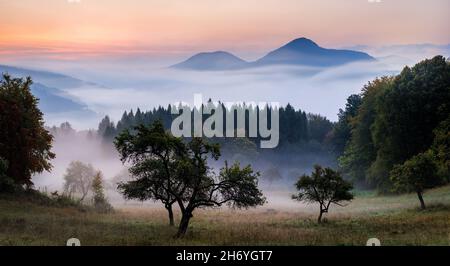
127 84
278 173
323 91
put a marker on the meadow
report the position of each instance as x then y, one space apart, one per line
395 220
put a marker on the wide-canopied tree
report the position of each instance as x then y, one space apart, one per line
324 186
169 169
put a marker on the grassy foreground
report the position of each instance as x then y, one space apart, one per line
395 220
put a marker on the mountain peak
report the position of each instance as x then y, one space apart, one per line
301 43
218 60
303 51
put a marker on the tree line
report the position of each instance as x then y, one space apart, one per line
296 126
395 135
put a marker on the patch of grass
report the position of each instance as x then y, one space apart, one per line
395 220
43 199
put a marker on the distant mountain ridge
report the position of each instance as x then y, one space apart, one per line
48 88
48 78
218 60
301 51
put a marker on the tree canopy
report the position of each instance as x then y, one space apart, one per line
169 169
155 157
324 186
416 175
24 142
78 179
100 202
399 117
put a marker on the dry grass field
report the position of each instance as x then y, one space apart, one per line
395 220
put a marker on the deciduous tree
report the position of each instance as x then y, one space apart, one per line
324 186
172 170
78 179
416 175
155 157
24 142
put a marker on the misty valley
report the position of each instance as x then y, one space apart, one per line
99 163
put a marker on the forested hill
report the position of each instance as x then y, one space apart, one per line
398 124
296 126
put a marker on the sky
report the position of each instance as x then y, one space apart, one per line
246 27
124 48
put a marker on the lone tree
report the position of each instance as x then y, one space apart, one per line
416 175
78 179
155 157
167 169
324 186
24 142
100 202
235 186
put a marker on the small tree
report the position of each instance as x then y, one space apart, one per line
416 175
78 179
100 202
325 186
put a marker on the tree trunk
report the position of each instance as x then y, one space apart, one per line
170 211
319 220
422 203
184 223
82 197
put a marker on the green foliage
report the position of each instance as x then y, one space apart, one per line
341 132
239 186
399 117
24 142
106 128
360 151
100 202
409 111
238 149
441 149
156 159
78 179
295 126
167 169
325 186
416 175
318 126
